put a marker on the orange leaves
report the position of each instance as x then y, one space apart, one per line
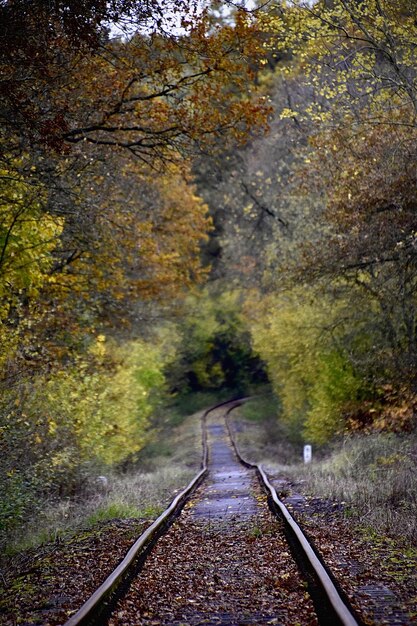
150 234
159 92
171 248
80 85
395 412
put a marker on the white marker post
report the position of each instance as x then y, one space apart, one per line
308 454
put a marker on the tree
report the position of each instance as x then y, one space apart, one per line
358 55
73 100
66 82
362 159
98 213
154 96
216 351
338 331
312 349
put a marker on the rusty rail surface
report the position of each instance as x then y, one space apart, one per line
98 604
92 610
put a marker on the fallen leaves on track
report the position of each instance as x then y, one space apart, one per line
206 572
376 572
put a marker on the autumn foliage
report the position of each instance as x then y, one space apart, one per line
339 333
116 120
103 106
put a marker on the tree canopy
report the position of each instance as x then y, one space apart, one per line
103 106
148 146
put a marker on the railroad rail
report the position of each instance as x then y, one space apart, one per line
331 606
330 603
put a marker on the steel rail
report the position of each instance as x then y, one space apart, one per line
91 610
343 614
88 613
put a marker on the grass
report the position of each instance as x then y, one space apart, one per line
165 466
374 475
260 433
190 403
260 408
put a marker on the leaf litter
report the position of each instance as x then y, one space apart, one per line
377 572
204 571
45 585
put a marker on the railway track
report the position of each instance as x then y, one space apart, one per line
216 556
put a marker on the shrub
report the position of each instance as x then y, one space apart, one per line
302 337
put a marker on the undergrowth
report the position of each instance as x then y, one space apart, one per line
164 467
189 403
260 432
374 475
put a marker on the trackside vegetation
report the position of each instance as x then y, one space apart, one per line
372 475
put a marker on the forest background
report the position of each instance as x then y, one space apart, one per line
147 148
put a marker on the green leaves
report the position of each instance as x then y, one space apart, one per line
28 235
216 351
306 341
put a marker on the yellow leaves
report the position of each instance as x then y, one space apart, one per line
28 235
287 113
52 427
310 375
151 228
98 348
102 408
355 54
121 406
